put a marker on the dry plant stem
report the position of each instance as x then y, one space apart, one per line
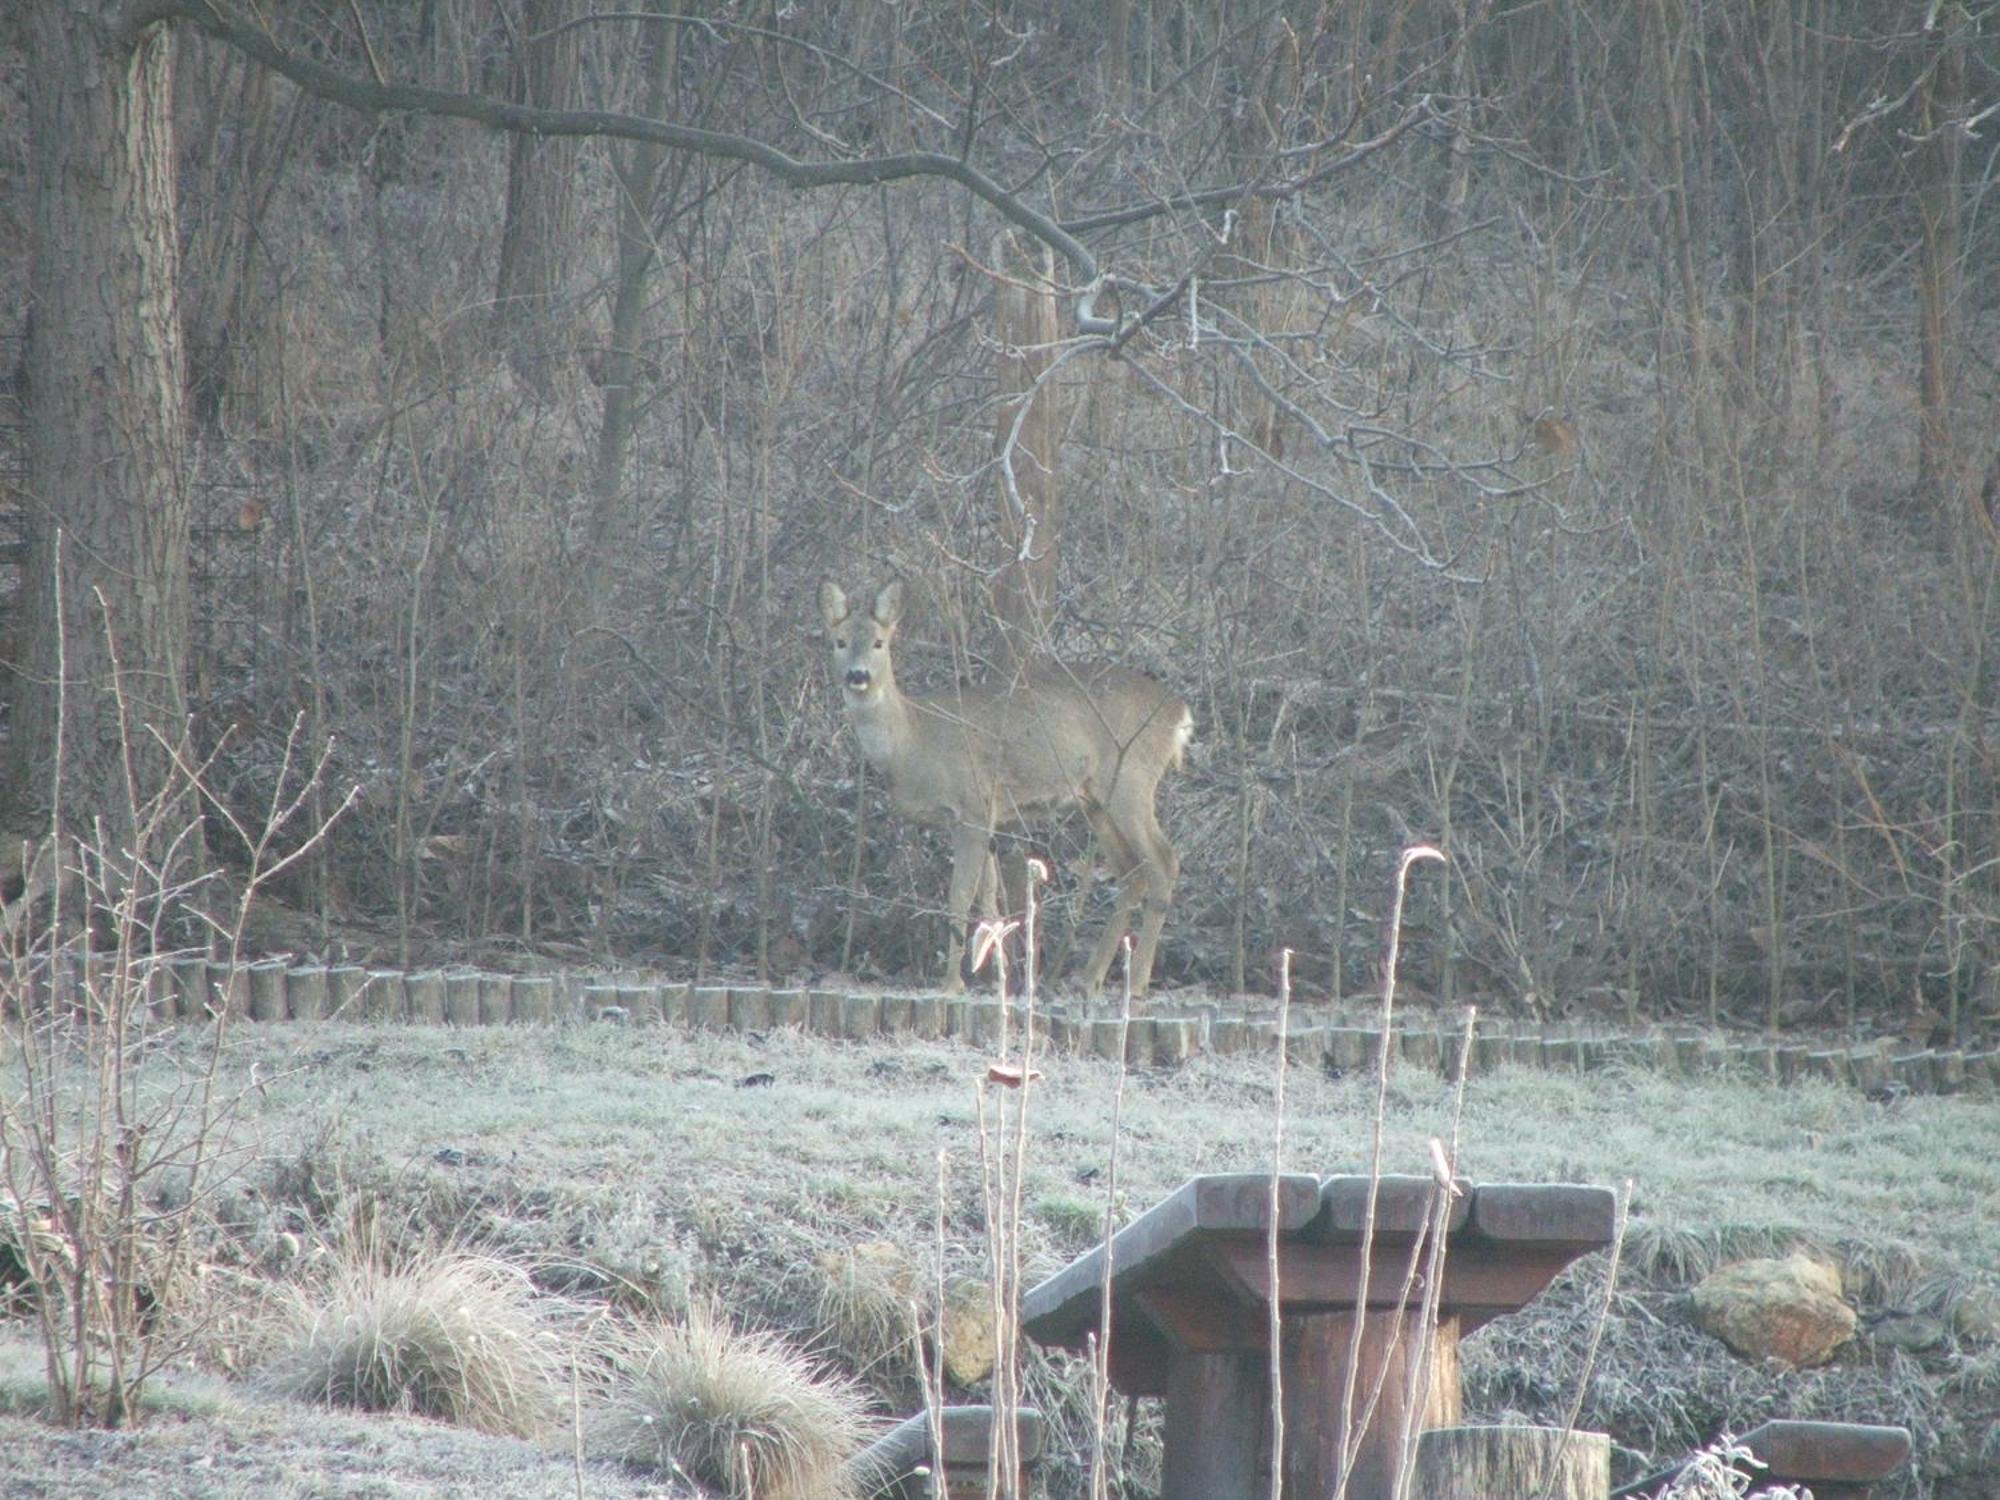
576 1415
1443 1191
932 1375
1009 1446
1597 1328
1100 1348
1003 1153
1275 1304
1349 1438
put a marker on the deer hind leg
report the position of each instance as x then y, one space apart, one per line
1148 870
1127 870
973 882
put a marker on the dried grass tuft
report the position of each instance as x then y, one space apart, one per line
440 1332
865 1303
741 1412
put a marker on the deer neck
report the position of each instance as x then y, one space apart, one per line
883 726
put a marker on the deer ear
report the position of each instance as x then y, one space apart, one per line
889 604
832 603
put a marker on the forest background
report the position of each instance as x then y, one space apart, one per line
1562 430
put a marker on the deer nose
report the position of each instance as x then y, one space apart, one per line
857 678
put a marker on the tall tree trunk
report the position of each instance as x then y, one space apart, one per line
638 168
1940 107
108 507
1025 326
539 232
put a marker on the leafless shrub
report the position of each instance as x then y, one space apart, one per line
110 1143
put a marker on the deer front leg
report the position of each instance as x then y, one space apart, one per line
971 884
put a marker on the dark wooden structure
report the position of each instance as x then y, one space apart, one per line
1191 1283
1835 1460
897 1465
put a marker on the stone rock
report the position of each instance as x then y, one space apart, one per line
1976 1316
1913 1333
1788 1310
871 1263
969 1342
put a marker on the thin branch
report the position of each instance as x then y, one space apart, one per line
373 97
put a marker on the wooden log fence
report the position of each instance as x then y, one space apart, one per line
1169 1035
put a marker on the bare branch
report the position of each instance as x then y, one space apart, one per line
373 97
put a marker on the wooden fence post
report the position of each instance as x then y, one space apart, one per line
1505 1463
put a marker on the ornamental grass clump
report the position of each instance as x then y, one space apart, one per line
439 1332
740 1412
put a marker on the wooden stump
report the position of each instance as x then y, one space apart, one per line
461 999
385 996
306 992
426 998
535 1000
1505 1463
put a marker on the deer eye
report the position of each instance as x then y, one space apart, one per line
878 643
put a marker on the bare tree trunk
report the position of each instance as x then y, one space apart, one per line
1939 107
638 172
540 230
1024 323
105 413
229 176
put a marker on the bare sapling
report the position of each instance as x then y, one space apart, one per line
1100 1342
1003 1157
109 1143
998 754
1353 1430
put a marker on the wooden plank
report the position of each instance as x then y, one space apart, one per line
535 999
386 996
1838 1460
1544 1213
1402 1207
749 1008
347 985
1140 1353
1065 1306
788 1009
1195 1317
860 1016
1482 1280
1813 1452
708 1008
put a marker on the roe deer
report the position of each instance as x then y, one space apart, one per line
979 757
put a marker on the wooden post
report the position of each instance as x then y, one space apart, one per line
305 993
1504 1463
1218 1446
496 999
1315 1364
426 998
